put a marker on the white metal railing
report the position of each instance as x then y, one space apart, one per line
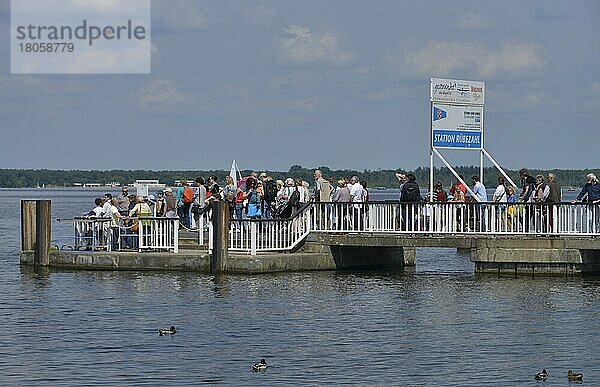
457 218
562 219
158 234
96 234
268 235
82 233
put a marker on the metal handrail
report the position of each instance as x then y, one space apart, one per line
97 234
460 218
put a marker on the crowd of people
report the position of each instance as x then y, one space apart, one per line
540 194
259 196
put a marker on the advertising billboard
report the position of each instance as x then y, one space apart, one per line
457 91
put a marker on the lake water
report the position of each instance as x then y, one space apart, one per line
438 324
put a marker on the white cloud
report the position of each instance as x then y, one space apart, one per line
300 45
159 93
471 20
442 58
260 15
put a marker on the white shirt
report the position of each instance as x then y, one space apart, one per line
356 192
106 209
302 192
98 211
500 194
113 212
479 191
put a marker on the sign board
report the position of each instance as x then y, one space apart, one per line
457 117
456 126
457 91
459 139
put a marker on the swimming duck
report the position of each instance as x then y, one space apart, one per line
541 375
262 366
165 332
573 377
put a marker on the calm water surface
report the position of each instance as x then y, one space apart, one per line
439 324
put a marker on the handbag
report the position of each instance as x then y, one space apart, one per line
136 226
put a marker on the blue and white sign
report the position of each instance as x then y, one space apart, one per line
457 117
456 126
457 139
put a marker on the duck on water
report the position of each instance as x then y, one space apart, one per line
262 366
165 332
574 377
541 375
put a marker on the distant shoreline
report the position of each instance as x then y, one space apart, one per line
30 178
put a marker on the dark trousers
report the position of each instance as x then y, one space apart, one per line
184 214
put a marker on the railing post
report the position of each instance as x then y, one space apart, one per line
176 236
253 238
42 232
140 235
220 220
200 230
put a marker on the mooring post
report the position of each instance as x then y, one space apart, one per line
27 225
220 229
43 231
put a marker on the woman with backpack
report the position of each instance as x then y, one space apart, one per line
229 195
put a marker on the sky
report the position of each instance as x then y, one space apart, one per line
343 84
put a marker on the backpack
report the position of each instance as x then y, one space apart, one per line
411 193
270 191
188 195
294 198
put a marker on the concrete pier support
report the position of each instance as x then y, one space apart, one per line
220 252
527 261
370 257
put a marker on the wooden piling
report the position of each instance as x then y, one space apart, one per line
43 232
28 225
220 219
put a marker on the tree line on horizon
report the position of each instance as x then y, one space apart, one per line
31 178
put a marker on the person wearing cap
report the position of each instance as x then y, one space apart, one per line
123 202
141 210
